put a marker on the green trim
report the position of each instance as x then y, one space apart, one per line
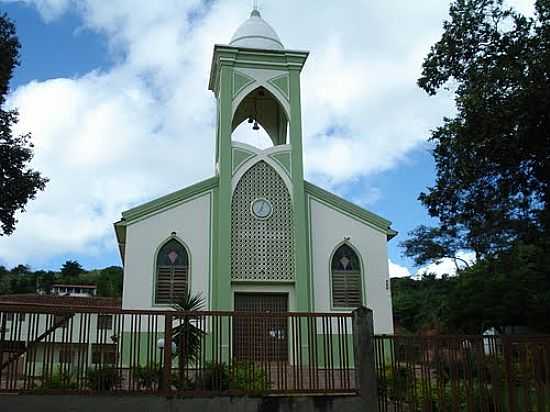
210 243
281 82
309 241
254 58
351 209
169 200
222 256
239 157
284 159
260 282
303 272
362 272
240 81
120 232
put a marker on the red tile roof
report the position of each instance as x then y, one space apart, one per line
63 285
92 301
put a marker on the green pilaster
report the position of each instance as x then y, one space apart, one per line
222 275
225 83
303 301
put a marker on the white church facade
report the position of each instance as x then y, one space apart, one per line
257 236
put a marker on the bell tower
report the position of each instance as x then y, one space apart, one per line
256 80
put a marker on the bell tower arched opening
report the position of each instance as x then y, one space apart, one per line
261 111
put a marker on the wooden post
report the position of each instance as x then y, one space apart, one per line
167 355
509 372
363 350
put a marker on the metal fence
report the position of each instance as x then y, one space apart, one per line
463 373
81 349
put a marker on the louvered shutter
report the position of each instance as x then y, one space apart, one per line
179 283
172 273
346 279
164 284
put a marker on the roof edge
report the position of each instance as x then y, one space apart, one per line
361 213
168 200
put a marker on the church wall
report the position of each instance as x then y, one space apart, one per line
191 221
329 228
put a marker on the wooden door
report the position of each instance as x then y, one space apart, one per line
262 338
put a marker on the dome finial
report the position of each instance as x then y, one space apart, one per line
256 33
255 9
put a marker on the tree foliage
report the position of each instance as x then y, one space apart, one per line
18 182
493 157
22 279
109 282
510 290
71 269
492 188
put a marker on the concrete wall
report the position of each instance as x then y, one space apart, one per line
137 403
329 228
191 221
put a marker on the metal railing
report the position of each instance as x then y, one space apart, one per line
48 349
463 373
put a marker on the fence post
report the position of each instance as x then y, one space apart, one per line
363 350
509 371
167 354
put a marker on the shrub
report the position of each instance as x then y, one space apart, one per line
148 376
247 377
60 380
103 379
214 377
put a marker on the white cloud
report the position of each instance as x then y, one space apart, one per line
114 138
446 266
49 9
398 271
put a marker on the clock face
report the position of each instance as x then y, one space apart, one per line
262 208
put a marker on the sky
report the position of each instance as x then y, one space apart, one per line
116 96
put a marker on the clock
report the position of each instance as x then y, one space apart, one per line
262 208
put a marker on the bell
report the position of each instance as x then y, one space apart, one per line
255 127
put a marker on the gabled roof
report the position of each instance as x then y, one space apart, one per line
169 200
182 195
352 209
157 205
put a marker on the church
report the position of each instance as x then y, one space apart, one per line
257 236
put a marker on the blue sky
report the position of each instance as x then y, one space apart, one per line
116 98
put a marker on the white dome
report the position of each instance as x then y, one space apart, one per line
256 33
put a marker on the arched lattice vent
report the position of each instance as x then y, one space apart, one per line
262 249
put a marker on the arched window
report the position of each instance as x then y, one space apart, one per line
346 278
172 273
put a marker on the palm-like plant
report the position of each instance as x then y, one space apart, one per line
187 335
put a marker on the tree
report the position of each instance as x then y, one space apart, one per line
492 159
109 282
71 269
21 270
509 290
18 183
187 335
6 279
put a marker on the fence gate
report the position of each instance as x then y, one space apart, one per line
261 338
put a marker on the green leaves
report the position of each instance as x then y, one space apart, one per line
492 159
18 183
508 290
